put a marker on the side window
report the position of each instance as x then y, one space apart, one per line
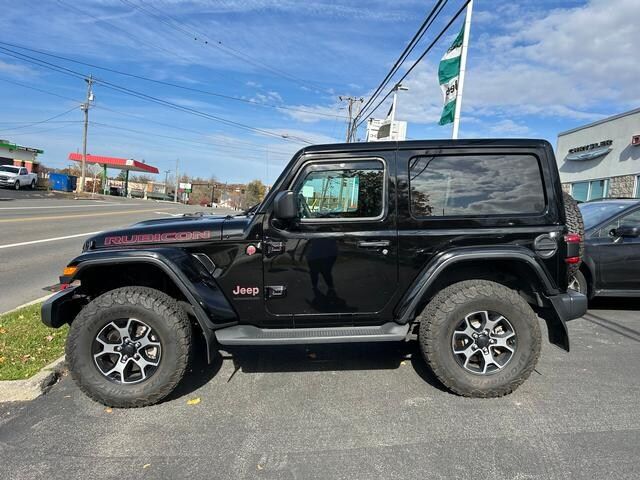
23 171
631 219
471 185
342 190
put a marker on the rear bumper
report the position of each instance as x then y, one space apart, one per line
559 310
61 308
570 305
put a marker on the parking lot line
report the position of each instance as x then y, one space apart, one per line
44 240
62 217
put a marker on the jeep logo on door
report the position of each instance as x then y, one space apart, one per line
239 291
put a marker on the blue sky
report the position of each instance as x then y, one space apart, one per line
534 69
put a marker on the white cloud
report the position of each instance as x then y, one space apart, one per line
16 70
572 63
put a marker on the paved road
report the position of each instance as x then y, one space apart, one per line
351 412
25 216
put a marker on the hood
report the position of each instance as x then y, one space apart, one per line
188 229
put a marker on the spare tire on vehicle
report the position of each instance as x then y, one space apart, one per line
574 225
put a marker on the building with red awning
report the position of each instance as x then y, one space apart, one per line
126 164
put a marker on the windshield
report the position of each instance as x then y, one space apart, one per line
594 213
6 168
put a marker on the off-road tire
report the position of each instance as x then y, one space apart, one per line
162 313
575 224
438 322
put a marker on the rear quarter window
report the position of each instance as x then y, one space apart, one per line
475 185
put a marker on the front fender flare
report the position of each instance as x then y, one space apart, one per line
208 303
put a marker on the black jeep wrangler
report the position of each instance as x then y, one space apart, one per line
464 243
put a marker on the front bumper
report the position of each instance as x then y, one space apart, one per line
61 308
6 182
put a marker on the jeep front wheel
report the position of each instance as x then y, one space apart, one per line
129 347
480 338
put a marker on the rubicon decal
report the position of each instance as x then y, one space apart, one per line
245 291
157 238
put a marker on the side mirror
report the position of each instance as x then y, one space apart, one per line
285 205
626 231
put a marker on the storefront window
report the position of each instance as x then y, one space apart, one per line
580 191
637 194
583 191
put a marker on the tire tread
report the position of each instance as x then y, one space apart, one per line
434 317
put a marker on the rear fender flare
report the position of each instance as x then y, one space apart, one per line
407 308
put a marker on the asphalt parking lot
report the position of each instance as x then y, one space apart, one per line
338 411
352 412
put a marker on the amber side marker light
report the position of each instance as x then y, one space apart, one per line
69 271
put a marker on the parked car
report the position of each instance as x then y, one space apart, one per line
17 177
463 242
611 263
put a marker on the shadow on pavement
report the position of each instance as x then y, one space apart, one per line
330 357
199 373
612 326
618 303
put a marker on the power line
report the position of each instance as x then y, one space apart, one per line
195 142
170 84
430 18
199 37
39 90
142 117
424 53
150 98
45 130
41 121
127 33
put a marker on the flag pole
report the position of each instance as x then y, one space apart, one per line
463 65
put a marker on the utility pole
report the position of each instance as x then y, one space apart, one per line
85 108
353 115
175 194
166 180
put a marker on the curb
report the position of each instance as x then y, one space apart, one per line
33 387
28 304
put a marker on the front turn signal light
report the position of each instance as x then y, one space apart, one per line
69 271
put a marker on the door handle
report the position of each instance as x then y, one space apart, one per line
374 243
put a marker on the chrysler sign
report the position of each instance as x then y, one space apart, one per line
591 151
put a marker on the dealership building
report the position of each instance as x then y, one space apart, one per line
601 159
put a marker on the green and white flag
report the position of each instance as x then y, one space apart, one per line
448 73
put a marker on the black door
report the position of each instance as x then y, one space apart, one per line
336 264
619 258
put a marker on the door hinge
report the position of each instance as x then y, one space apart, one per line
276 291
273 248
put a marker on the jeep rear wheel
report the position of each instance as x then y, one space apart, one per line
480 338
129 347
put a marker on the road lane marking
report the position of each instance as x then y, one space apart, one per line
44 240
62 217
170 214
74 206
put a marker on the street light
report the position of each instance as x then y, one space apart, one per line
397 88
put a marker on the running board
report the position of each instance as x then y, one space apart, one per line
250 335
